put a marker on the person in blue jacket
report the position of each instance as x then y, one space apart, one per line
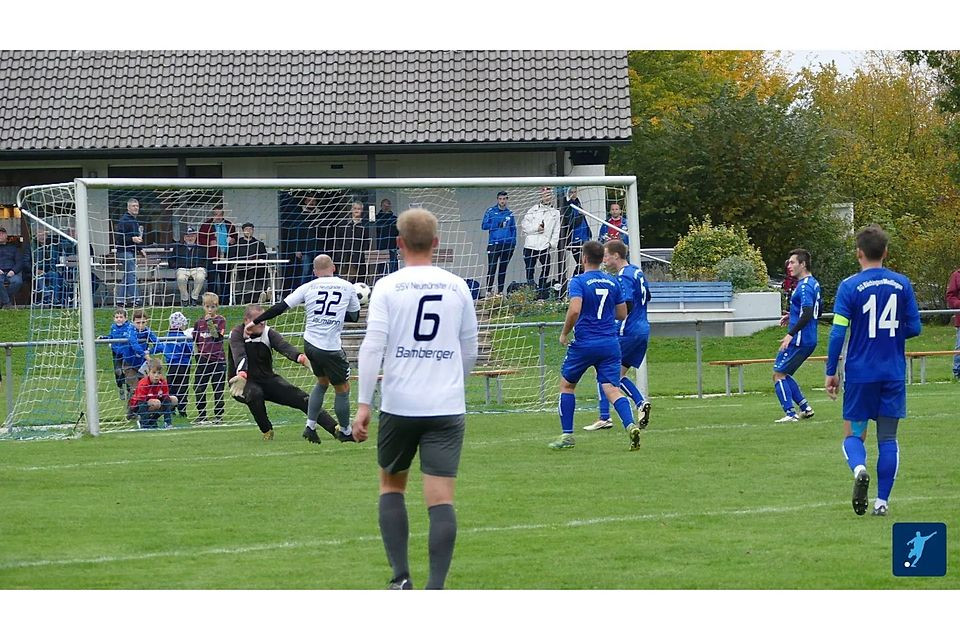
125 354
501 224
177 348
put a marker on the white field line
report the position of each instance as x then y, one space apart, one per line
283 546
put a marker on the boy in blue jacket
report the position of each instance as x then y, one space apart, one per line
499 221
177 349
125 353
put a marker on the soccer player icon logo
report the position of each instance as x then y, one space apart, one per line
917 543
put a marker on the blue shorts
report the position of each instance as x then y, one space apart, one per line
602 356
871 400
632 350
790 360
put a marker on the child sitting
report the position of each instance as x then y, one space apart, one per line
152 398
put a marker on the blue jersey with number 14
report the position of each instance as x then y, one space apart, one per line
881 309
600 294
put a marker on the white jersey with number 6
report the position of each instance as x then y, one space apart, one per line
327 300
428 318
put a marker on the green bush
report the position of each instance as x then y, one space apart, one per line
696 255
740 271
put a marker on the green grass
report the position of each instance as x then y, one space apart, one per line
719 497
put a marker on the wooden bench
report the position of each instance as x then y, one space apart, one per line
922 356
487 374
911 356
739 364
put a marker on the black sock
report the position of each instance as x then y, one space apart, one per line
443 535
395 530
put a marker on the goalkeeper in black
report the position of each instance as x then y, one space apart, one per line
253 380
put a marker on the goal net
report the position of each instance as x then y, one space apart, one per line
158 249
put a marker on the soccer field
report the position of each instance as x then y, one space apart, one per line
718 497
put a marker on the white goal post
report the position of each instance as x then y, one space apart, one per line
93 231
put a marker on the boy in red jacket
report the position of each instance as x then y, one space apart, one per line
152 398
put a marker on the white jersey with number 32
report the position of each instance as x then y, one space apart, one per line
427 315
327 300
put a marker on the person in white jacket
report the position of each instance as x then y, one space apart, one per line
541 232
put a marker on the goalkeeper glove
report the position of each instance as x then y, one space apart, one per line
237 384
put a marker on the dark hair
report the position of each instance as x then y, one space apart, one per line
593 252
247 224
872 241
501 193
616 247
803 256
217 207
140 313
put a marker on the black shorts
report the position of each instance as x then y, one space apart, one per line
439 438
332 364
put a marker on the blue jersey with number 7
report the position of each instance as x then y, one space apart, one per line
600 294
881 309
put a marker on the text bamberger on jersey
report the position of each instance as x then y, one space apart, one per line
425 354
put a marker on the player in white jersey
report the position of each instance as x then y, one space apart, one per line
329 301
422 327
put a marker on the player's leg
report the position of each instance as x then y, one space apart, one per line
254 397
632 353
396 446
166 409
575 362
860 404
782 368
893 407
440 448
604 421
319 390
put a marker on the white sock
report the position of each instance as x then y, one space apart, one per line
348 431
879 503
312 425
857 471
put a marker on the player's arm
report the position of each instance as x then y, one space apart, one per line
487 222
469 343
238 351
353 309
280 345
369 361
573 313
272 312
911 316
621 311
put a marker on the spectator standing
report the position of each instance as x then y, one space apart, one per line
616 227
385 237
218 234
499 221
190 261
208 336
127 240
953 301
353 242
248 280
541 231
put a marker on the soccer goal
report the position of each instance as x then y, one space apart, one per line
157 248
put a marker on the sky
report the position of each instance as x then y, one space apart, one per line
846 60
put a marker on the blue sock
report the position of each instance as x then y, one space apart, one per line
604 404
795 393
622 405
631 390
568 403
782 389
855 451
888 461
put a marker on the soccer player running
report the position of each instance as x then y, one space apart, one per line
328 301
423 317
801 338
880 308
596 303
634 332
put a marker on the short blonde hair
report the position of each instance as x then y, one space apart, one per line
154 365
211 298
418 228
